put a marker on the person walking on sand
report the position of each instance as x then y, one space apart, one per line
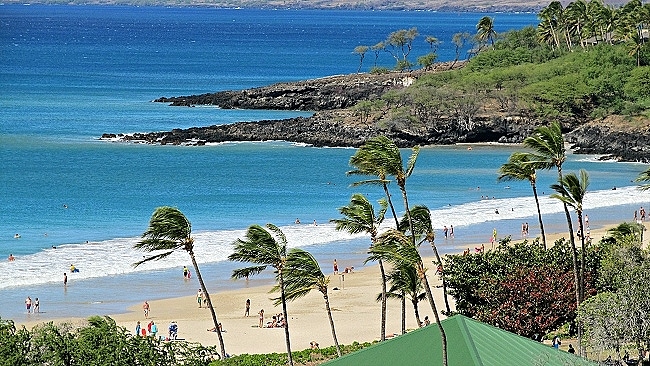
336 267
145 309
137 328
28 304
261 314
248 308
199 297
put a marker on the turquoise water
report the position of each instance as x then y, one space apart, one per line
72 73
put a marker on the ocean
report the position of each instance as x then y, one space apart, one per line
71 73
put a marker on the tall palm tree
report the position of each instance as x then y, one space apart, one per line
393 244
547 142
360 217
169 230
423 227
572 191
485 30
302 275
576 15
264 248
644 177
405 283
517 168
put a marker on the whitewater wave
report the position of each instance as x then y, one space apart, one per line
116 256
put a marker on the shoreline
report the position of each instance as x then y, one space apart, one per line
355 310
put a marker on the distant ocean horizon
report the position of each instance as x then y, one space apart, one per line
71 73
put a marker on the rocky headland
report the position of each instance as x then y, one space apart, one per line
335 124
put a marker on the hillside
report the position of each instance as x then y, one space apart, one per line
436 5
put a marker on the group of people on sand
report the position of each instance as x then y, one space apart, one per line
150 330
640 217
277 321
524 230
200 299
34 305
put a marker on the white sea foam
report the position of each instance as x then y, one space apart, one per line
115 257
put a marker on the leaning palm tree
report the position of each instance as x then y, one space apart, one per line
405 283
302 275
169 230
393 244
485 30
644 177
571 191
517 168
360 217
264 248
423 227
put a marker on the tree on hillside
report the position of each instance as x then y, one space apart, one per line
433 43
377 49
400 44
361 51
169 230
302 275
459 40
264 247
485 31
517 168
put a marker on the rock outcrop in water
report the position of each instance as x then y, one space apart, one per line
334 125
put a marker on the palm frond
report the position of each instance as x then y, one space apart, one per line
247 272
644 177
153 258
410 165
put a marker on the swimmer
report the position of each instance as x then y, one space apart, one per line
16 236
11 258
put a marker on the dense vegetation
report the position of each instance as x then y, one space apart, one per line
585 61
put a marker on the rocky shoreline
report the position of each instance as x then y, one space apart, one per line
335 126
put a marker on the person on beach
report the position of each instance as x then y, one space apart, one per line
154 329
313 345
185 272
523 230
493 239
73 269
636 217
199 297
445 231
137 328
248 308
11 258
556 342
587 220
336 267
65 279
571 349
297 221
37 306
173 330
28 304
145 309
426 321
642 214
261 314
451 231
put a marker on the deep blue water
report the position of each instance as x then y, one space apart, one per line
71 73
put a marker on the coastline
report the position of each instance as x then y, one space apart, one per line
355 310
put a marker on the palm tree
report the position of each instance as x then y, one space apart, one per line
302 275
485 30
517 168
644 177
399 249
406 283
423 227
169 230
360 217
572 191
547 142
576 15
627 229
265 248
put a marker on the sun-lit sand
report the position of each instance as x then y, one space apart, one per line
352 299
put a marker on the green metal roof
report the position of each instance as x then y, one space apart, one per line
469 342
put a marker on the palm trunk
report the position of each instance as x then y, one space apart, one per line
383 301
207 297
444 284
539 215
403 313
574 255
286 318
416 310
329 314
434 309
582 257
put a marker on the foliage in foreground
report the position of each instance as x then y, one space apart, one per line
100 342
299 357
521 288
